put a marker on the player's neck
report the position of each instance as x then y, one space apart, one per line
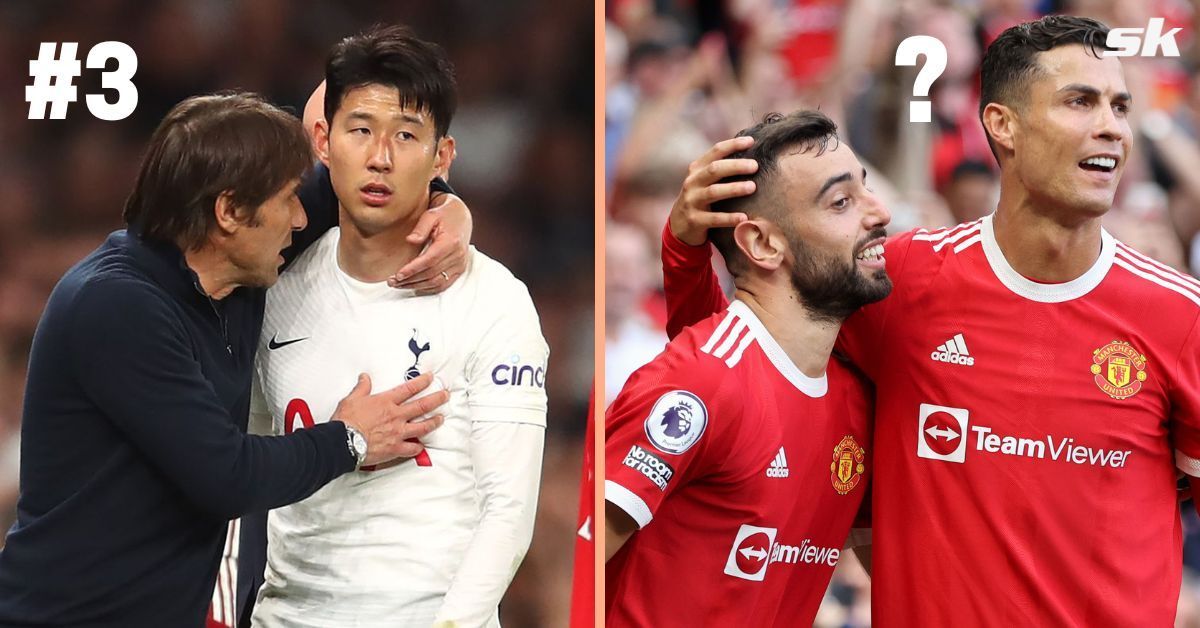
372 257
806 341
217 274
1044 246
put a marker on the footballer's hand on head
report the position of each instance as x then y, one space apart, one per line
445 228
692 215
391 420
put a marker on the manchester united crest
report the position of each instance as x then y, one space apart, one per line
848 466
1119 369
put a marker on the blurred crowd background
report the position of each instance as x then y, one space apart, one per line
525 168
683 74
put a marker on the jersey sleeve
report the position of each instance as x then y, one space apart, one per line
506 374
657 438
507 462
693 292
862 334
1184 396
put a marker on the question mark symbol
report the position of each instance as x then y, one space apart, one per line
935 63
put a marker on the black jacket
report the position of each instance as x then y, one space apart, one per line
134 454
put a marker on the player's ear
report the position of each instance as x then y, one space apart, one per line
229 217
761 242
314 110
321 140
999 122
446 152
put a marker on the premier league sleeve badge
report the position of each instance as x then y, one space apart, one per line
676 422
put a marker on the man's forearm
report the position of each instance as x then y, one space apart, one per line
134 361
508 461
618 528
690 283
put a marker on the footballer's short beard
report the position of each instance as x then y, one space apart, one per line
832 289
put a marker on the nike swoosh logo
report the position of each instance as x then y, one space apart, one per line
274 344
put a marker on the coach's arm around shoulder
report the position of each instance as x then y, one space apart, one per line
135 361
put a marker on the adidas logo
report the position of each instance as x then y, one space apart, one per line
954 351
778 468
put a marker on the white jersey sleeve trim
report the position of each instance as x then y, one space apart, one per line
1046 292
1187 464
628 501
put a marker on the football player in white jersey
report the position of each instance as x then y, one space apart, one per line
434 540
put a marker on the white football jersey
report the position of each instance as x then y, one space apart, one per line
383 547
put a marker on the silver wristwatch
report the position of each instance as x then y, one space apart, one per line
357 443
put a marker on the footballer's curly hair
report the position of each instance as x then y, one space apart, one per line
206 146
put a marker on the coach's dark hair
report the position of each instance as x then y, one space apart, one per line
232 142
393 56
776 136
1010 63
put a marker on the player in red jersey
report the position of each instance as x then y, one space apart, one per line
737 460
1036 379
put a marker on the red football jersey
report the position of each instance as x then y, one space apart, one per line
743 474
583 582
1028 433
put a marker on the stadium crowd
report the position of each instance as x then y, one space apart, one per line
683 75
523 128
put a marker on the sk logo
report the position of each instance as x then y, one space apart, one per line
417 350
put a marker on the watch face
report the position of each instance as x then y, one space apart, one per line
360 444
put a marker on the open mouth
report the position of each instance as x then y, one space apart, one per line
1099 164
872 250
376 193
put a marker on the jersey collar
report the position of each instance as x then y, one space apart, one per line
812 386
1045 292
368 291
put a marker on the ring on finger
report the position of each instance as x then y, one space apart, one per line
445 276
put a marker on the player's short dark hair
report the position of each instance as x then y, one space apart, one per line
234 142
395 57
775 137
1010 63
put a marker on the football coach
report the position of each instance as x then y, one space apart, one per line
134 447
